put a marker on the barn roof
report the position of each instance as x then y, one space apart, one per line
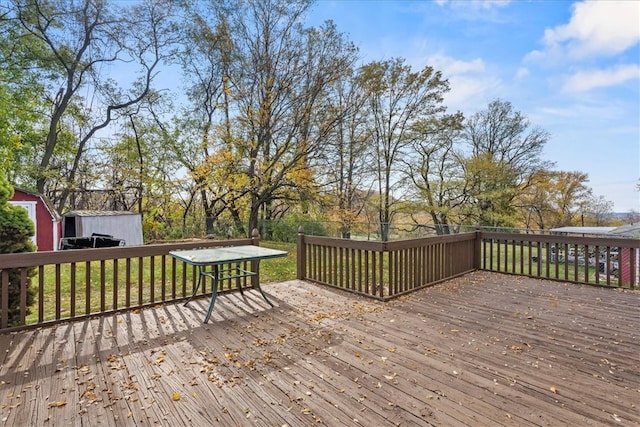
45 201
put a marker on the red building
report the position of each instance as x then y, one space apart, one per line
47 222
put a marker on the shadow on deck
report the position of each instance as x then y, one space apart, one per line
483 349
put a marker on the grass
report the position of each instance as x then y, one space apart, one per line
279 269
515 259
104 295
96 298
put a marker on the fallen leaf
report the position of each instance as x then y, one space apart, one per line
175 397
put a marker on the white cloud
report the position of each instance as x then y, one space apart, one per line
476 4
596 28
451 66
522 73
586 80
471 93
470 81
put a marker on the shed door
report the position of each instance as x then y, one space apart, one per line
31 209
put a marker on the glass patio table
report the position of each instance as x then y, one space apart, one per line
224 263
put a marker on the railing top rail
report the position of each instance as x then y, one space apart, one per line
389 245
35 259
550 238
430 240
366 245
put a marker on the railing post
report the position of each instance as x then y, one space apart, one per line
4 299
255 237
255 265
301 255
477 250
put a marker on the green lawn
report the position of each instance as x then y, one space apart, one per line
103 297
279 269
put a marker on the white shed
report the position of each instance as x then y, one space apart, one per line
123 225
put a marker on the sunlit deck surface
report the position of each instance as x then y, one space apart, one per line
483 349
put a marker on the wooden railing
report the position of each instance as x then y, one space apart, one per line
77 283
587 260
384 269
388 269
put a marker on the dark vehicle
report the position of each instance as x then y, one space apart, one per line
96 240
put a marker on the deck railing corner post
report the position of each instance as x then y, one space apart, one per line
301 254
255 265
255 237
477 251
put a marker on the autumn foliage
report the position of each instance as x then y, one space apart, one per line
16 230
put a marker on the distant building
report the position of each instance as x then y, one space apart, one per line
123 225
46 220
585 231
626 257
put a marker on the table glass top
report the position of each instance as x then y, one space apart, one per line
226 254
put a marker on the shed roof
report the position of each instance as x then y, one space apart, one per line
583 230
99 213
627 230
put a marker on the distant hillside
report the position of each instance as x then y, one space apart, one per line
620 215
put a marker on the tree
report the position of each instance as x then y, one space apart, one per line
20 102
435 171
597 211
283 98
349 152
74 45
504 152
16 230
397 98
208 62
554 199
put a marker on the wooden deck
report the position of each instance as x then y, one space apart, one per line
483 349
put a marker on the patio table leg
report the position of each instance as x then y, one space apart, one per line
195 291
257 282
214 293
264 296
238 281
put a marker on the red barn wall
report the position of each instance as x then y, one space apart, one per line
48 229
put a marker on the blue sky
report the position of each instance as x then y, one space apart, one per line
572 67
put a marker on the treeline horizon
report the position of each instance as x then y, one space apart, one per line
265 119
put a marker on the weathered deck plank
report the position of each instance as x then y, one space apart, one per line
483 349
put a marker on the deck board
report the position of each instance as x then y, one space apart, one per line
483 349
